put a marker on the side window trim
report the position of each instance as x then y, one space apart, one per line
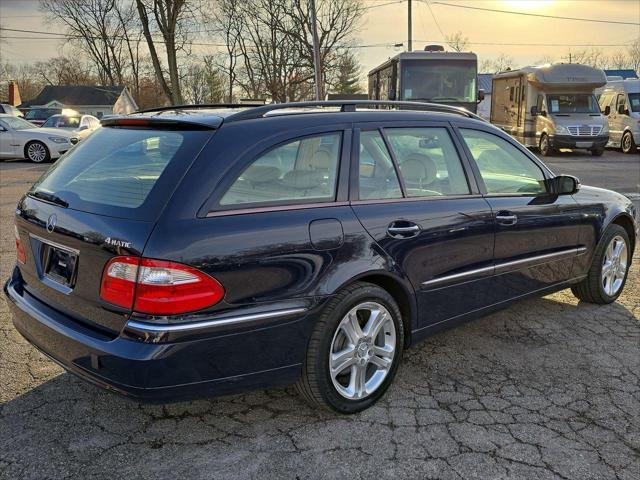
212 206
546 172
396 165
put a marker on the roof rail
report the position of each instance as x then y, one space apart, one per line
200 106
349 106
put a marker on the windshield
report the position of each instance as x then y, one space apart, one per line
61 121
41 113
634 102
127 173
439 80
17 123
573 103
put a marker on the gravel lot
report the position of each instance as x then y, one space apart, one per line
546 389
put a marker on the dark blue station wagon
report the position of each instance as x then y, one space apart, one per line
193 251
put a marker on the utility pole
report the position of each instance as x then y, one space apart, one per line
410 41
316 51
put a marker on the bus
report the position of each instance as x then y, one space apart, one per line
432 75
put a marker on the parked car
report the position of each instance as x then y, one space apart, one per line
184 252
80 125
10 110
620 102
22 139
38 116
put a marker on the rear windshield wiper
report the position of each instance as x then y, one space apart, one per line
49 197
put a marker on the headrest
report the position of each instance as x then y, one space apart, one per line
418 167
303 179
261 174
321 160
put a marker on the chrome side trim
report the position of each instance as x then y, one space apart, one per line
458 276
506 266
184 327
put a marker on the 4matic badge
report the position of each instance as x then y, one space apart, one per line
117 243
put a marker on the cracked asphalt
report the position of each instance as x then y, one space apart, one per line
546 389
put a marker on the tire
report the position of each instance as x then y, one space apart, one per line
593 288
316 383
597 152
37 152
544 146
627 143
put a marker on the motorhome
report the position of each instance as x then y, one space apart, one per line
620 103
551 107
431 75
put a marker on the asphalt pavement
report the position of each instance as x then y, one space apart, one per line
546 389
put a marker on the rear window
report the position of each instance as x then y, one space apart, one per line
128 173
62 122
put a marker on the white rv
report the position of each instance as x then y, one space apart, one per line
620 103
551 107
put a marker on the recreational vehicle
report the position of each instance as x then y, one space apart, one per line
431 75
620 103
551 107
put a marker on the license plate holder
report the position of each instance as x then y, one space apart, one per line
584 144
60 264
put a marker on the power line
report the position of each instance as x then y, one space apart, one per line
444 37
614 22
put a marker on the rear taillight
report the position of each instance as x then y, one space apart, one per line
20 252
158 287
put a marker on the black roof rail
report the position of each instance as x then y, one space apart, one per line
200 106
349 106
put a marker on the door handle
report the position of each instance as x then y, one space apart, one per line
407 230
506 218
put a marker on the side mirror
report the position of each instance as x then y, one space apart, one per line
607 111
84 127
480 95
534 111
563 185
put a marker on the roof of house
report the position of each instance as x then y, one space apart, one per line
77 95
485 82
624 73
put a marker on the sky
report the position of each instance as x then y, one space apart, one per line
490 33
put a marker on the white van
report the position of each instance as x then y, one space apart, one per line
620 102
551 107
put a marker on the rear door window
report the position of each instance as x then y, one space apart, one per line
428 161
299 171
378 177
128 173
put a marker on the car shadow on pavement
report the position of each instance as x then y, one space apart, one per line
537 374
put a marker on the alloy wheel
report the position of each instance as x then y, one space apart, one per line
362 350
614 266
37 152
626 142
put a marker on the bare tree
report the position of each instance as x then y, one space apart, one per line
168 18
101 28
498 64
457 42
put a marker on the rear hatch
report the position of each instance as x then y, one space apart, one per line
101 200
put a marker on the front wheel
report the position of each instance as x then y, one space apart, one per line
609 268
37 152
628 144
545 146
354 350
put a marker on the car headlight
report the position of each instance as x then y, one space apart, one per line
561 130
59 139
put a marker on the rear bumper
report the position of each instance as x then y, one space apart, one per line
204 365
568 141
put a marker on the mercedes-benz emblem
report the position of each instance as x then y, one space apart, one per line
51 222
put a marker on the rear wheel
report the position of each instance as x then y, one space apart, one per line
545 146
628 145
354 350
37 152
609 268
597 152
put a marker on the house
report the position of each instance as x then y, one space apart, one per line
92 100
485 81
624 73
